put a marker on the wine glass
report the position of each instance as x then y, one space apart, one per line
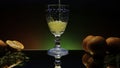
57 19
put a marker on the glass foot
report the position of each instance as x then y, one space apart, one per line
57 52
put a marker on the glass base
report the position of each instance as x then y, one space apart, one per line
57 52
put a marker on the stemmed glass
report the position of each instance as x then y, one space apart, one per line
57 19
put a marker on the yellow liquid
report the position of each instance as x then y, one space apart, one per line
57 27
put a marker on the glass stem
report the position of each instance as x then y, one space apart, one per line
57 42
57 63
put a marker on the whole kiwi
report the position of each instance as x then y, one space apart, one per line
95 45
113 45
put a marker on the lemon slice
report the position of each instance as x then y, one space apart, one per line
2 43
15 44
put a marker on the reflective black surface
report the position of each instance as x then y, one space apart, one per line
40 59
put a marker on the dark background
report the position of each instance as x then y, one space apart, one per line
25 21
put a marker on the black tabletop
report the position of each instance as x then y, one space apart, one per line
40 59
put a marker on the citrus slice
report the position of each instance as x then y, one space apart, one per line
15 44
2 43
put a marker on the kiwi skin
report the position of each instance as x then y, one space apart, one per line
95 45
113 45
